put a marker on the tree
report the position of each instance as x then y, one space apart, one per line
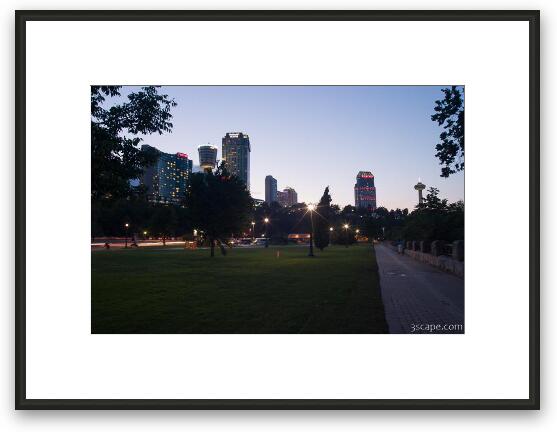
218 204
282 220
116 134
108 217
322 221
435 219
449 113
372 227
432 201
348 210
163 222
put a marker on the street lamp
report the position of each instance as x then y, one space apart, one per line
311 208
126 225
266 220
252 231
346 226
144 235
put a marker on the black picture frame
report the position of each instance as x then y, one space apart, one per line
531 16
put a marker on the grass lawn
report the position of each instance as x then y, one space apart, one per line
157 290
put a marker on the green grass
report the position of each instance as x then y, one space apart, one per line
248 291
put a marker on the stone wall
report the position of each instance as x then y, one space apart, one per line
442 262
432 253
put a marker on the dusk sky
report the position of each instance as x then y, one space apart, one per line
309 137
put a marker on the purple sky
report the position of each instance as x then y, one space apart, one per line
308 137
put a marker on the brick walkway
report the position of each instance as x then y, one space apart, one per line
417 295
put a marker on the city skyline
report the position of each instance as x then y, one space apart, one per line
313 137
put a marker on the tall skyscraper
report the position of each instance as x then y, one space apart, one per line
166 180
270 189
207 157
236 152
364 191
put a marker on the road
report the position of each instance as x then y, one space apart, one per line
120 243
178 244
419 298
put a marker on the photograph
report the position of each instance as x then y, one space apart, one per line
283 190
277 209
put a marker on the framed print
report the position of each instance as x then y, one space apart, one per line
271 210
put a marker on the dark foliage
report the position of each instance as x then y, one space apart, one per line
435 219
321 221
116 133
449 113
110 216
163 222
282 221
218 204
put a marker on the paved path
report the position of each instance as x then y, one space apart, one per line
417 296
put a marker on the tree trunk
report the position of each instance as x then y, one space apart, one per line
212 247
164 240
222 249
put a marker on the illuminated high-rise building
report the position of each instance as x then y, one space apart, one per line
236 153
166 180
364 191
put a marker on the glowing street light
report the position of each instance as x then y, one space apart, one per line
126 225
252 231
266 220
311 208
331 229
346 226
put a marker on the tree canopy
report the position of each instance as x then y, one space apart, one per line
449 114
218 204
164 221
117 131
322 219
435 219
